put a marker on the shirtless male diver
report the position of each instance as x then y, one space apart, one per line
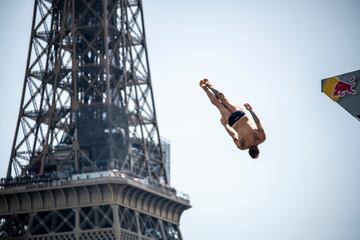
247 134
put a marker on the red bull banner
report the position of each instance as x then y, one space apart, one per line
345 90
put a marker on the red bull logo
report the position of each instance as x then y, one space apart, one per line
336 89
343 88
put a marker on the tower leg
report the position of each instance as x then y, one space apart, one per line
116 224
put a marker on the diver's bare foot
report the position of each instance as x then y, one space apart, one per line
203 83
208 84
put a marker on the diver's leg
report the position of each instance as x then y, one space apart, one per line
226 102
225 113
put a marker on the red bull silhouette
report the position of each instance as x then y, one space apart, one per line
343 88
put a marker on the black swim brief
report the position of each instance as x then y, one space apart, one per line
235 116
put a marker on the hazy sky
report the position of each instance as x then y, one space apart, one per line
273 54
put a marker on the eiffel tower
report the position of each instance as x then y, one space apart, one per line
87 160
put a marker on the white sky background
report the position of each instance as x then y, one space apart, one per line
272 54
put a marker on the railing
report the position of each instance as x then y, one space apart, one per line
50 180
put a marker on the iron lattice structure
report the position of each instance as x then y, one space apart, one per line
87 161
87 102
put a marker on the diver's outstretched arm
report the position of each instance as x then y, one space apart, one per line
256 119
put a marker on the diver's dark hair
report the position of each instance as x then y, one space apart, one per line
254 151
